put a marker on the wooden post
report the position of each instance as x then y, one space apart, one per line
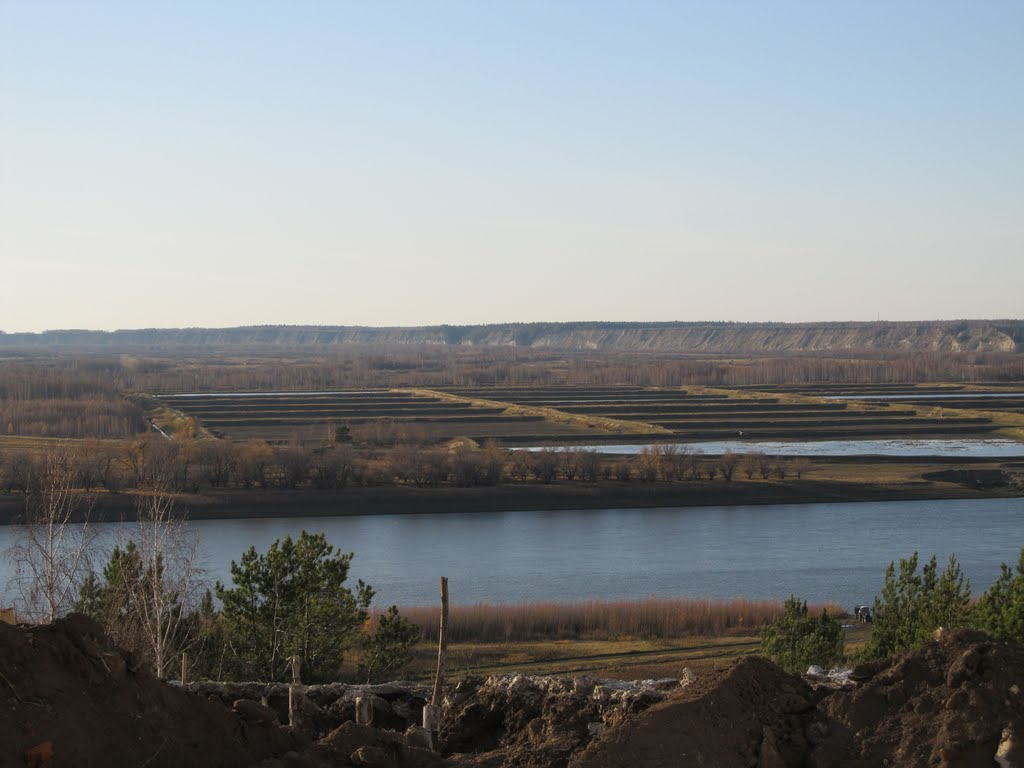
432 711
442 645
295 694
184 669
364 710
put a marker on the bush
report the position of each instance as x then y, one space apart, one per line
911 606
795 641
1000 611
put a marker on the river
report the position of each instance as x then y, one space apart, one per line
819 552
978 448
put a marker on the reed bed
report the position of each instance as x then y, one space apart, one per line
651 618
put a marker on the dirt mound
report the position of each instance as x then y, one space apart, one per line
954 702
66 690
751 714
72 698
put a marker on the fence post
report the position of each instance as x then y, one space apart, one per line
295 694
432 711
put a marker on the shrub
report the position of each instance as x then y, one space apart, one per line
795 641
911 606
1000 611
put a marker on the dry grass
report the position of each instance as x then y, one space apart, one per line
616 659
652 618
602 423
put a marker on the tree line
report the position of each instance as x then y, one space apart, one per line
189 466
78 375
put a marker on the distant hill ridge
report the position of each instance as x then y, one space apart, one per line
681 337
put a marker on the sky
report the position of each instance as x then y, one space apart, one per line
417 163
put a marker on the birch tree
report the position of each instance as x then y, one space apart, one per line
52 542
169 582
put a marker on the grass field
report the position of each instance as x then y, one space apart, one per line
701 413
425 415
564 415
622 659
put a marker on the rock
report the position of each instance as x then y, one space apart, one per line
372 757
1010 753
417 736
252 712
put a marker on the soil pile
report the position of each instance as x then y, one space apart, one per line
955 702
72 698
69 697
751 714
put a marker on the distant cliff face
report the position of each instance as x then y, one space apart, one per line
713 338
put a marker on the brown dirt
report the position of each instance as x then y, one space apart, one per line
729 719
68 697
65 683
946 704
952 704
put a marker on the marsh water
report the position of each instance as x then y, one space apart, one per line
818 551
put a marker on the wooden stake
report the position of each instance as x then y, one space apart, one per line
184 669
442 645
295 694
364 710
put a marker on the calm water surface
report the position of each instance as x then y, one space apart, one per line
817 551
974 448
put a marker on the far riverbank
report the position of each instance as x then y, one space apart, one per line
227 504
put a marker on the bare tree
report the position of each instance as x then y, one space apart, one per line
52 543
800 466
649 463
749 465
727 465
169 580
590 465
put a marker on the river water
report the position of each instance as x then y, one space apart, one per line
999 448
817 551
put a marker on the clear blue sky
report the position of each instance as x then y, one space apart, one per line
404 163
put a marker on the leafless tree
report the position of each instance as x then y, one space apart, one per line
169 580
52 543
570 463
692 463
521 464
545 465
727 465
670 462
590 465
649 463
800 466
749 465
780 468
